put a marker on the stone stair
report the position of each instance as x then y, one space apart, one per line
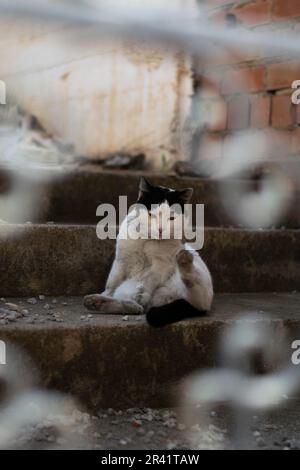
65 259
120 362
116 361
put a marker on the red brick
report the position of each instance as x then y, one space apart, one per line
212 147
283 142
260 111
252 14
286 9
217 116
238 112
212 81
235 57
283 111
221 56
210 85
282 75
243 80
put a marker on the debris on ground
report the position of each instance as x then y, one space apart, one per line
46 309
119 161
188 168
125 161
24 138
148 429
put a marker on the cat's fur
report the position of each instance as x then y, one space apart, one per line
164 278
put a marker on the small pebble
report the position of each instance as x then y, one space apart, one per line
125 318
12 317
260 442
171 445
137 423
41 297
4 312
32 301
13 307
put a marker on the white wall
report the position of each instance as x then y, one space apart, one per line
102 95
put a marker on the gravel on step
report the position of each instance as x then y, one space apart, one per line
44 309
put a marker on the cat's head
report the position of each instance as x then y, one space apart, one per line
161 210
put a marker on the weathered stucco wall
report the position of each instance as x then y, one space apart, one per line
103 95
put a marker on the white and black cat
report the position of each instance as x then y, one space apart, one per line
155 273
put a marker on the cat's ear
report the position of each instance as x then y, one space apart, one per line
144 186
185 195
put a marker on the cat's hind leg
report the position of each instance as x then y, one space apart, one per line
104 304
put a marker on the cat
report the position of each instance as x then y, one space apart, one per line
154 272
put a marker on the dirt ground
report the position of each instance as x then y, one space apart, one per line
166 429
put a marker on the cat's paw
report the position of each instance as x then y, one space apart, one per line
143 298
133 308
184 258
95 302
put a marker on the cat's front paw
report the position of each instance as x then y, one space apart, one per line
94 302
143 298
184 258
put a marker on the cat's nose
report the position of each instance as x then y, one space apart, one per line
160 231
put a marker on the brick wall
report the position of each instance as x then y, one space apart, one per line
252 88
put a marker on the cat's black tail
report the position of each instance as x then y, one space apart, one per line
172 313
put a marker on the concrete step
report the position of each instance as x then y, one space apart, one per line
74 195
71 260
77 197
107 361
